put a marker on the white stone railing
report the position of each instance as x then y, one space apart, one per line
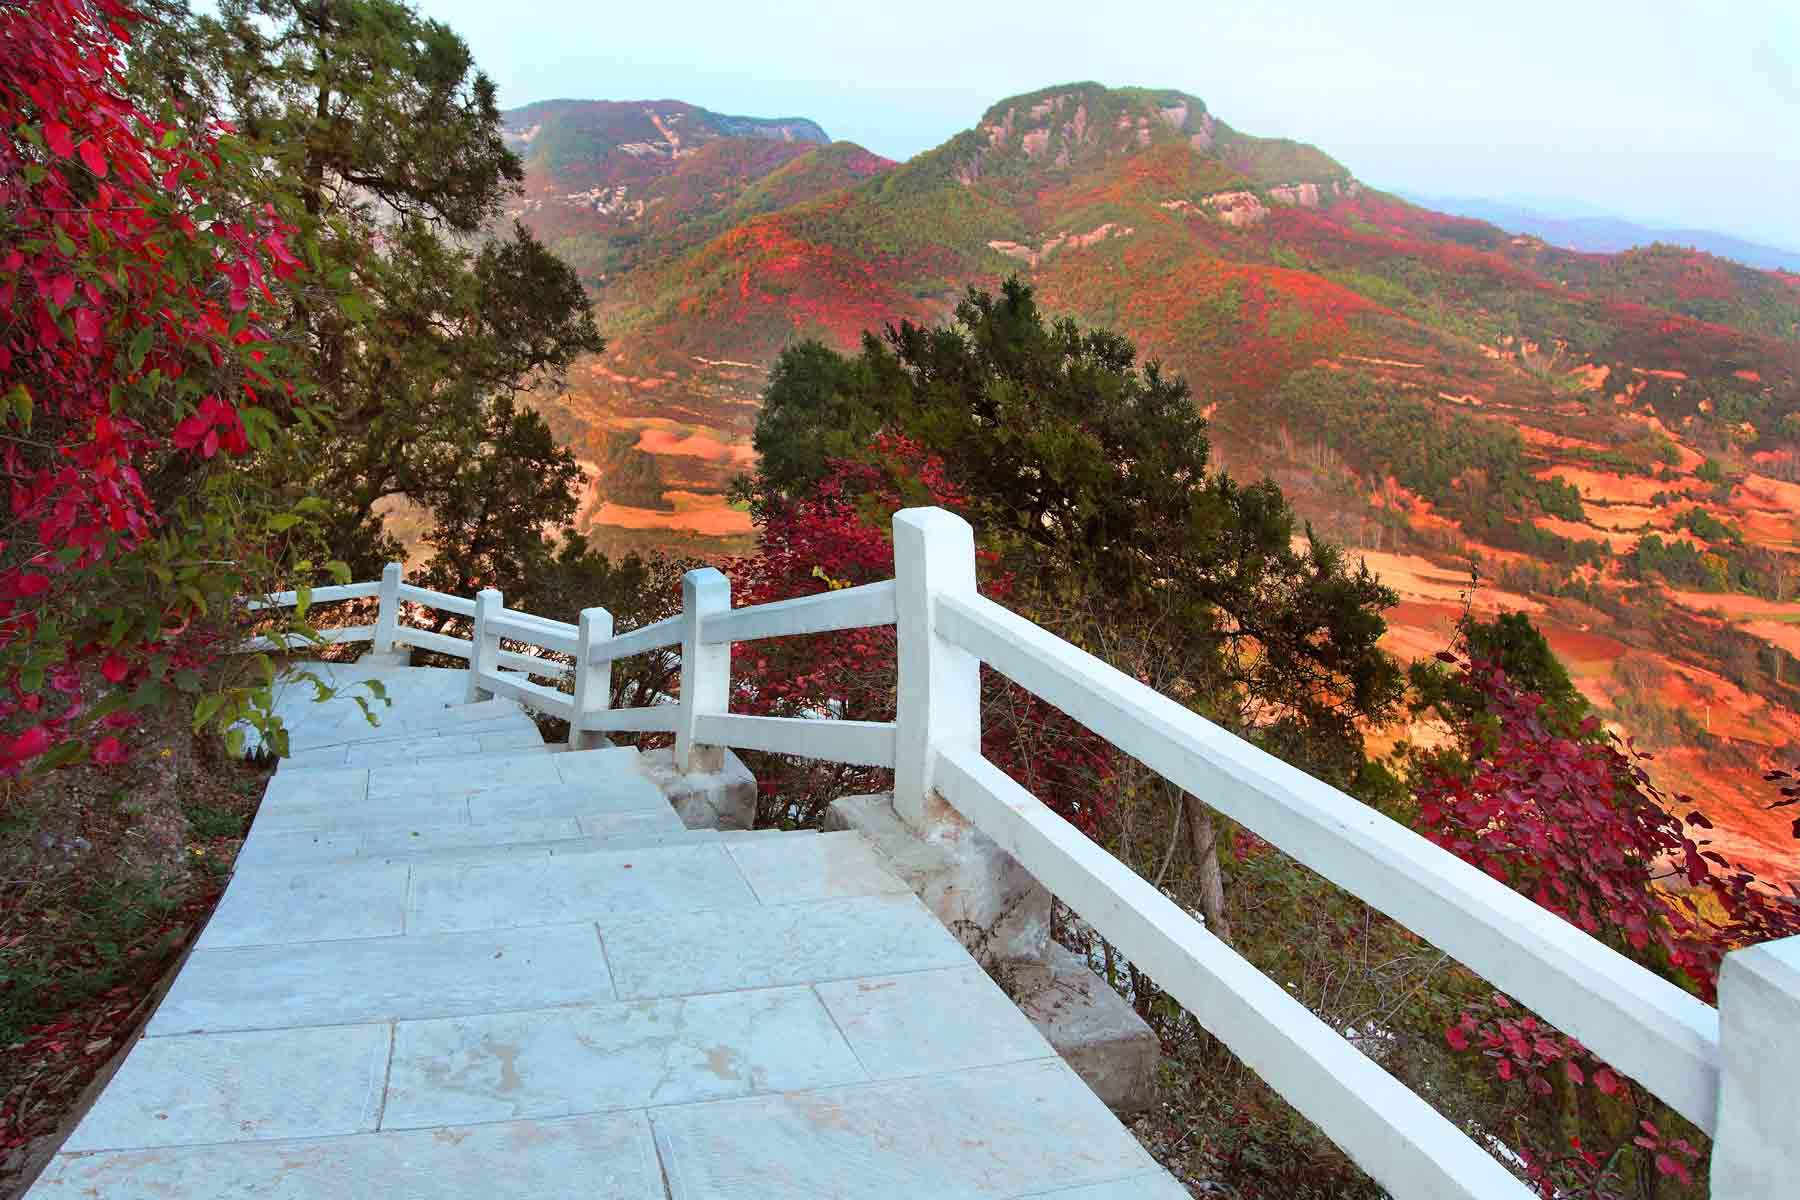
1728 1070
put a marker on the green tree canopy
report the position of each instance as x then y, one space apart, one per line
382 141
1091 477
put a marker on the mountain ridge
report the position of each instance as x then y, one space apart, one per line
1607 234
1614 439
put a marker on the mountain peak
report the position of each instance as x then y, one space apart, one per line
1077 125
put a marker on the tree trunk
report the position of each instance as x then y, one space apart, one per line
1203 839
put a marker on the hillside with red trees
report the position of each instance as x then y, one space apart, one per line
1572 406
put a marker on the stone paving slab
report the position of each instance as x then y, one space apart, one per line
334 815
608 1157
309 904
510 739
995 1132
460 777
405 839
405 750
603 766
677 953
267 846
560 848
308 790
587 798
463 841
822 867
340 729
926 1021
381 979
1151 1185
548 891
282 1083
648 1052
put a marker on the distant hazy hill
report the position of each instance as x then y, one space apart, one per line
1608 235
601 176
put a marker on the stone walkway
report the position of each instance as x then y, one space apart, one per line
454 964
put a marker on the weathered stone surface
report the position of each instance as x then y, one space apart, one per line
1149 1185
402 840
512 739
993 1132
460 777
1092 1027
924 1021
977 890
1002 915
784 870
647 1052
281 1083
549 891
789 973
309 904
311 791
750 947
608 1157
722 799
335 815
268 847
625 793
405 750
380 979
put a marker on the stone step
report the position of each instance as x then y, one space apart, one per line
332 725
502 839
446 887
455 962
509 734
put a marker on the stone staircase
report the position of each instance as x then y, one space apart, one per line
456 963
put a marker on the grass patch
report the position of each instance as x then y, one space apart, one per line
106 927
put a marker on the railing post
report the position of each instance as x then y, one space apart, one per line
1754 1154
387 617
484 652
705 670
939 683
593 680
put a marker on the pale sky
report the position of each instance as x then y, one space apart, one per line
1670 113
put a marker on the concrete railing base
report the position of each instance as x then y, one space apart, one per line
1095 1030
980 892
1002 916
722 799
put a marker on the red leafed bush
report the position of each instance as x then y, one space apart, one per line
133 350
841 536
1577 824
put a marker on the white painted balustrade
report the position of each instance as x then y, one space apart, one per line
1731 1082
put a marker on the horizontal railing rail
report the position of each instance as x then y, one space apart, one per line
661 635
848 608
1639 1022
1666 1039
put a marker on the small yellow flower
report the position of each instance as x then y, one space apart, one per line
167 753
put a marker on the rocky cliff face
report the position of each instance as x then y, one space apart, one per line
1083 126
598 171
599 141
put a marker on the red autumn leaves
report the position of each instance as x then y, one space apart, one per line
134 336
